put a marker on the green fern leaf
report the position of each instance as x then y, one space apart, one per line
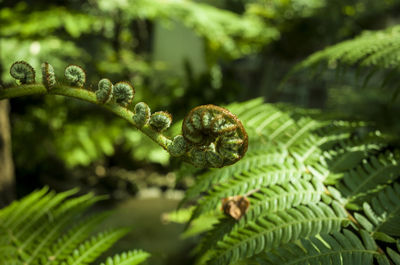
279 228
338 248
241 184
379 48
91 249
214 176
128 258
71 239
363 180
383 214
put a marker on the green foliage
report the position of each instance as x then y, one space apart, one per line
366 69
49 228
372 48
338 248
127 258
88 34
225 32
305 176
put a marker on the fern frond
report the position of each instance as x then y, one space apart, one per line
40 209
344 248
279 228
14 214
370 173
128 258
372 48
250 161
395 256
37 230
65 245
91 249
247 181
383 214
263 202
46 230
282 197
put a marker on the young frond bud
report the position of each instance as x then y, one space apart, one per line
48 76
23 72
216 131
104 91
178 146
123 93
160 121
142 114
75 75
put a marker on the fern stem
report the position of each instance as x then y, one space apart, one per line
357 224
85 95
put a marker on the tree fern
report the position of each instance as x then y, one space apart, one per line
329 168
39 229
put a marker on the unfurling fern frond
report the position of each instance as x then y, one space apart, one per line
211 136
47 228
344 248
23 72
302 177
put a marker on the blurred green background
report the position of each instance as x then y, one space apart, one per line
178 54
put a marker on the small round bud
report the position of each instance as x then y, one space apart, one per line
123 93
142 114
23 72
104 91
48 76
178 146
160 121
75 75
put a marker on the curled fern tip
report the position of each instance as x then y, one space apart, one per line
217 136
75 75
123 93
23 72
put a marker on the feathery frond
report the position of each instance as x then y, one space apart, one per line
338 248
48 228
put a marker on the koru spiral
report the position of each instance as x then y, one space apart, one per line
216 137
211 136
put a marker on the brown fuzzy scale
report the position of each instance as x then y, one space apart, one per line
212 127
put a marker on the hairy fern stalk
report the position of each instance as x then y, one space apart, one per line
211 136
319 192
49 228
